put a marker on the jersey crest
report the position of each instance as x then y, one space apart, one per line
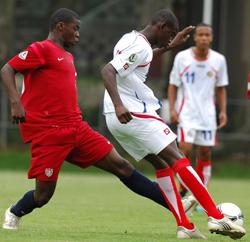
23 55
209 73
48 172
132 58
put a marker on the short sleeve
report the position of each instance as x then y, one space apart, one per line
29 59
222 79
175 78
126 61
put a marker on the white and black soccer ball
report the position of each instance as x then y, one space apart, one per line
232 211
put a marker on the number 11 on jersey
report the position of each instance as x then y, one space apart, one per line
190 77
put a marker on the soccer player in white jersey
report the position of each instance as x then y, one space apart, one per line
199 75
130 110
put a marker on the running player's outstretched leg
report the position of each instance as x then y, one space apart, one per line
165 179
131 178
189 178
164 192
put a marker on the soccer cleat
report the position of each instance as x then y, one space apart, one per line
11 221
189 204
225 227
184 233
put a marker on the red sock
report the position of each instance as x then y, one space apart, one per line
189 177
165 179
203 169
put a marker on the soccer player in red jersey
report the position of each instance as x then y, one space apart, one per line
50 119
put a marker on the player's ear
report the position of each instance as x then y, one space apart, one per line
60 26
163 26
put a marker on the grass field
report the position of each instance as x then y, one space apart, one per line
97 208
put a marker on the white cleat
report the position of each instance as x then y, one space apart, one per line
189 204
225 227
11 221
184 233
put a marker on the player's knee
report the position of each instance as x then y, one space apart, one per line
42 200
124 168
205 154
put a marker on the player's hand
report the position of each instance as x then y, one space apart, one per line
174 117
222 120
181 37
17 113
123 114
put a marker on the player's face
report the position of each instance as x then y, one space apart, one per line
165 36
203 37
71 33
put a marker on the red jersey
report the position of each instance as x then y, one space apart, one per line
49 93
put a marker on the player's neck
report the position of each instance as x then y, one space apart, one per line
55 39
201 53
147 32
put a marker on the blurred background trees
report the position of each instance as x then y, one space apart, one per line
103 23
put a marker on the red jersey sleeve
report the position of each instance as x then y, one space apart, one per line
29 59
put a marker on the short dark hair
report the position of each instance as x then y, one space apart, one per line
203 25
64 15
167 16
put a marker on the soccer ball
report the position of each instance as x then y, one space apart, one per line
232 211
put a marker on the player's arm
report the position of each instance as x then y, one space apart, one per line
222 102
17 110
109 77
172 93
180 38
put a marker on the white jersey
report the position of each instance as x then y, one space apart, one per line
131 58
196 81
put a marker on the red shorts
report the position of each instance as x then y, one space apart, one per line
79 145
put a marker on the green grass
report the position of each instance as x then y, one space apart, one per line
15 160
97 208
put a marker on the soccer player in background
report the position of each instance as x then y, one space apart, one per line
50 119
130 111
199 75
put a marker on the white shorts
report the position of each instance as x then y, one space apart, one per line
197 137
144 134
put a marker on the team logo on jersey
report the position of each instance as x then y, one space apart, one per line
132 58
48 172
209 73
23 55
126 66
166 131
